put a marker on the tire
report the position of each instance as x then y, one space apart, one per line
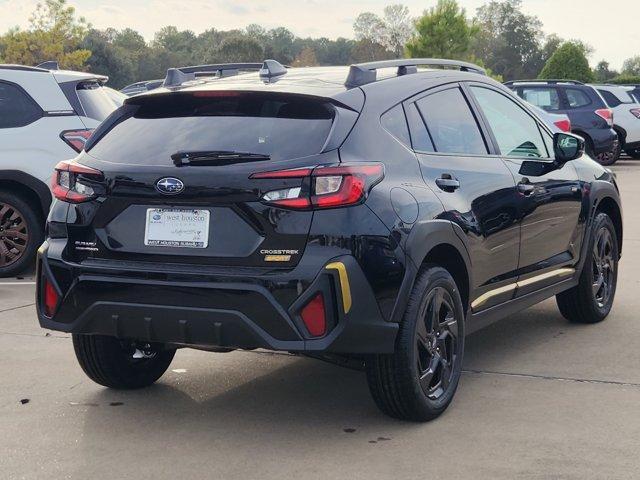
395 379
109 361
635 154
21 233
591 300
610 157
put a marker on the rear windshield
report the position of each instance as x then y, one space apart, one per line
280 126
95 101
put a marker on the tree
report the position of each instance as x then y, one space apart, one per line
631 66
603 73
392 31
368 26
508 40
109 59
54 33
568 62
398 28
241 49
306 58
443 32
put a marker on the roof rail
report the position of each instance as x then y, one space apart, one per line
50 65
177 76
550 81
363 73
25 68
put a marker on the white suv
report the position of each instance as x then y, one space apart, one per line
626 115
46 115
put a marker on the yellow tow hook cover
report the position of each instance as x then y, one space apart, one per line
344 284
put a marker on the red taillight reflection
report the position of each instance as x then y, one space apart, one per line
313 316
564 125
51 298
76 138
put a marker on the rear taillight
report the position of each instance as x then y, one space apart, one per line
313 316
71 182
76 138
635 112
326 186
606 114
564 125
51 298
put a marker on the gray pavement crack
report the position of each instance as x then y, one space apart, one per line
18 307
551 377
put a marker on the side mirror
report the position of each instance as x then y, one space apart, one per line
567 147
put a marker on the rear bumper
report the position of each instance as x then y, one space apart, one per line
213 309
604 139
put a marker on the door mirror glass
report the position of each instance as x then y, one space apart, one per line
567 147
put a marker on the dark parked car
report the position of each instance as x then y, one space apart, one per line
370 216
590 116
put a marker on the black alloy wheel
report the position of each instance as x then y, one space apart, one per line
14 234
437 344
603 267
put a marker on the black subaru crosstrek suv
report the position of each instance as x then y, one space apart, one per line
371 215
590 116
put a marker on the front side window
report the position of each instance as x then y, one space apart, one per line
516 132
16 107
577 98
545 98
451 125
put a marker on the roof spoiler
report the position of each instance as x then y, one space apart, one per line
364 73
49 65
177 76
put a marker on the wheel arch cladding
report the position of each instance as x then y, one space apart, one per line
609 206
32 190
435 242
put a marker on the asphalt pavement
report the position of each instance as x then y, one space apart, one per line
539 399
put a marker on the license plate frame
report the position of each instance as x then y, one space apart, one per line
188 228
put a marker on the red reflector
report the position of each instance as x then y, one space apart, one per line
313 316
564 125
51 298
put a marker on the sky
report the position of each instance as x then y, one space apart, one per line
610 27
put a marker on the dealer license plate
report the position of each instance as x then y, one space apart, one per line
172 227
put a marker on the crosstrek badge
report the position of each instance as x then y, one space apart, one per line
278 255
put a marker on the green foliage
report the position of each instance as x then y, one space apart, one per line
54 33
626 80
509 41
631 66
602 73
442 32
568 62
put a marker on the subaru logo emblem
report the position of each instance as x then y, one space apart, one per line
169 186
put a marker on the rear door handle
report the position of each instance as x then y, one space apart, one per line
447 182
525 187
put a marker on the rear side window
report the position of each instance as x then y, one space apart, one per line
419 135
17 109
516 132
95 101
545 98
395 123
281 126
577 98
613 100
451 125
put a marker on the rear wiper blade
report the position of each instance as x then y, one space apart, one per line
215 157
